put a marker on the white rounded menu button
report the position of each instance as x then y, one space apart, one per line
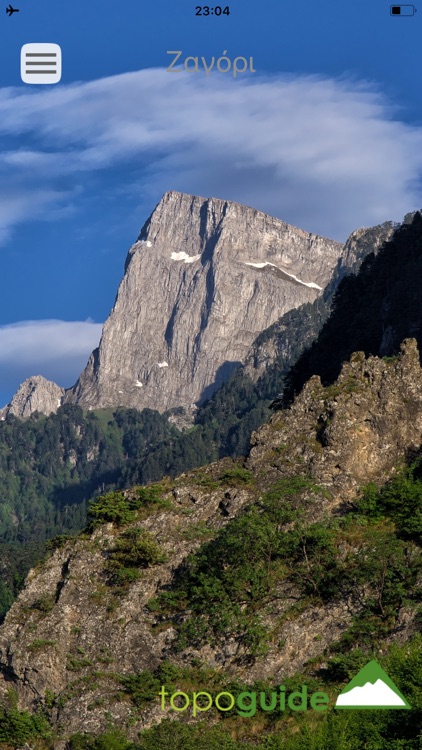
41 63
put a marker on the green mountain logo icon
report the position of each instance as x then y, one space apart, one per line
371 688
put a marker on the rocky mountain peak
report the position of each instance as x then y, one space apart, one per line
35 394
204 278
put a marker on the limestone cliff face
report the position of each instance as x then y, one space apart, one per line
69 635
35 394
205 277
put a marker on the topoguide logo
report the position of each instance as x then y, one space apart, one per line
246 703
371 688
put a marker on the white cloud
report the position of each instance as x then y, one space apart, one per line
56 349
327 155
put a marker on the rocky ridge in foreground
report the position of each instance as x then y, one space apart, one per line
73 628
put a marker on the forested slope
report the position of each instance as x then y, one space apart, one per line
51 466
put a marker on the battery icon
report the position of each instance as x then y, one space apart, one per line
402 10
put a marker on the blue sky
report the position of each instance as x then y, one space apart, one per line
326 135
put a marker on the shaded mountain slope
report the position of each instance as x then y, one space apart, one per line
373 311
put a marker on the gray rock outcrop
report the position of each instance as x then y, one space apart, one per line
35 394
205 277
358 430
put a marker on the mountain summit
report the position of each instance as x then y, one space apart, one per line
205 277
35 394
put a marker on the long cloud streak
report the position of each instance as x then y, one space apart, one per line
326 154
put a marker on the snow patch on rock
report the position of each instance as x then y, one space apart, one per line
185 257
309 284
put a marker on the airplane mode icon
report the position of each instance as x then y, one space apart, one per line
11 10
